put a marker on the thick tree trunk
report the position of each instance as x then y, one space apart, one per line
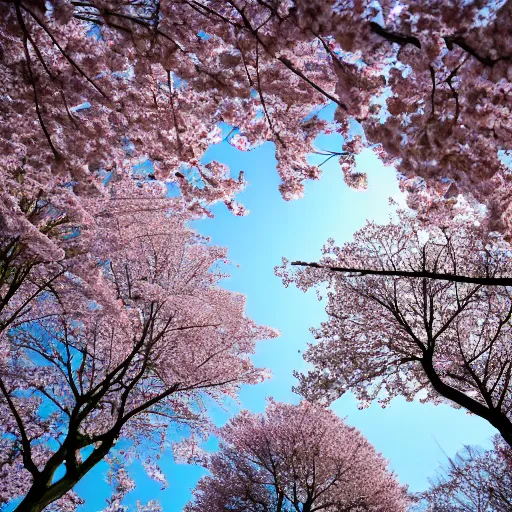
40 497
495 417
31 502
42 493
280 501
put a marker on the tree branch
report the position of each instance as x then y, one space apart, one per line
394 37
440 276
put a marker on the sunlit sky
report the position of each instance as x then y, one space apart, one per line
414 437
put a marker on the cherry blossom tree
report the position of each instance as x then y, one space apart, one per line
298 458
413 311
474 480
134 349
87 82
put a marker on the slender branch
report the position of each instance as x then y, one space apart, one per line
174 116
440 276
64 53
17 313
486 61
260 94
32 79
433 92
25 442
284 60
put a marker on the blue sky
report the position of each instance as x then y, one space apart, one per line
414 437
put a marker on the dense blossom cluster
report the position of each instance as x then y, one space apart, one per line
406 315
88 82
298 458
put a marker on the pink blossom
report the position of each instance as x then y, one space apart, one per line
296 457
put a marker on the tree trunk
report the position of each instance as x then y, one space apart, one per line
494 416
42 494
280 501
308 505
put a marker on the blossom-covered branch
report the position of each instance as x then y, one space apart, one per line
429 83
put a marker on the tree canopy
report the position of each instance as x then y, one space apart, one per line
131 361
390 334
296 458
474 480
87 82
113 324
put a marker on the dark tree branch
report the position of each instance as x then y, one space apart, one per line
286 62
394 37
450 41
440 276
28 463
32 80
173 110
62 51
459 41
493 416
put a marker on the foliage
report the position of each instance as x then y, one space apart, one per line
130 358
474 481
112 324
298 458
88 81
415 335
